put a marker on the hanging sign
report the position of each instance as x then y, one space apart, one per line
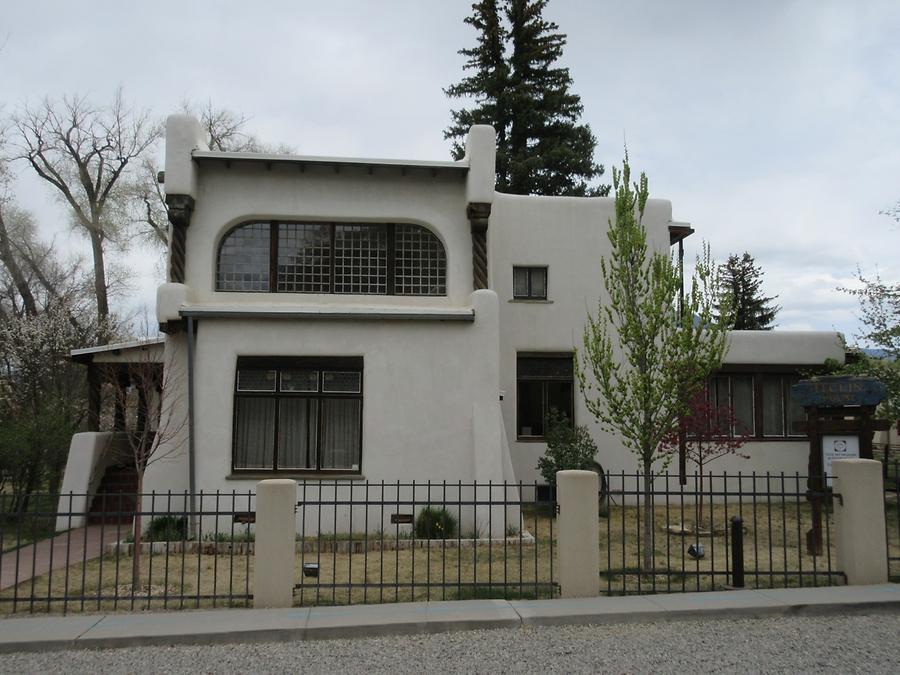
837 447
835 391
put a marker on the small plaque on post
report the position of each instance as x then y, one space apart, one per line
837 447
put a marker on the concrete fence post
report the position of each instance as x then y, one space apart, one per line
273 559
578 541
859 526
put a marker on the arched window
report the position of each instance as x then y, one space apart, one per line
346 258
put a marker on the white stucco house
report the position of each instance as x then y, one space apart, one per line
401 320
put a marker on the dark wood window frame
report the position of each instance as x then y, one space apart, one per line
529 270
759 372
278 364
390 229
545 380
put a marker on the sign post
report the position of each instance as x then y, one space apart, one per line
840 422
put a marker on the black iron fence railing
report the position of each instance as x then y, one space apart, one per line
682 538
76 552
892 517
391 542
362 542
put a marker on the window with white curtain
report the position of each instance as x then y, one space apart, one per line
298 414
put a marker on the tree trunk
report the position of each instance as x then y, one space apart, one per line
699 522
18 277
100 281
136 559
647 564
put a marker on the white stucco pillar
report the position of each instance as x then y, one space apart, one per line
578 541
859 525
273 564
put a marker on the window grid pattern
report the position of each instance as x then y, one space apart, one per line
420 262
344 258
304 258
360 259
243 263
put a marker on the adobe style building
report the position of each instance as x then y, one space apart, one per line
401 320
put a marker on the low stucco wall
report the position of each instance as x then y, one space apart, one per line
89 454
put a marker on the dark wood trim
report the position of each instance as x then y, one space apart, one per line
319 363
529 270
770 368
479 214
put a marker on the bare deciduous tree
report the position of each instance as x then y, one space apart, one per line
86 152
152 397
225 132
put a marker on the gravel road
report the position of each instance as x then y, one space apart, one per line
863 644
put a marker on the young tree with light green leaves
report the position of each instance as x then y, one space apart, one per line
642 359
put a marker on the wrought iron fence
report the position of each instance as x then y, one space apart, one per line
892 517
76 552
687 542
362 542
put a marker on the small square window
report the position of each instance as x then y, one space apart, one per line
530 283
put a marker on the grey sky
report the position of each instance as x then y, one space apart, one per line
774 127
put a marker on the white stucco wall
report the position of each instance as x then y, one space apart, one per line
569 236
246 192
431 387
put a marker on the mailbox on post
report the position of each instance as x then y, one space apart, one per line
840 421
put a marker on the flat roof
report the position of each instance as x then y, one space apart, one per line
315 160
86 353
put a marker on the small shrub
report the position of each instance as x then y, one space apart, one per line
568 448
167 528
435 523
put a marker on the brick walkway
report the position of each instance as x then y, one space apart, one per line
83 543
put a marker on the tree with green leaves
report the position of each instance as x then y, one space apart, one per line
516 87
642 359
740 289
879 304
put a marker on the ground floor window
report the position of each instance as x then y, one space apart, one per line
298 414
544 382
762 403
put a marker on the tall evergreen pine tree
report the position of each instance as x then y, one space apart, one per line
741 282
541 146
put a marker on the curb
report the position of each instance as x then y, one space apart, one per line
209 627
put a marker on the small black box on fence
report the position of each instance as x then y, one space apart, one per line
311 569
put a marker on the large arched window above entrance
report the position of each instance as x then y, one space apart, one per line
345 258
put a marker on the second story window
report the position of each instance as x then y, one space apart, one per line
344 258
530 283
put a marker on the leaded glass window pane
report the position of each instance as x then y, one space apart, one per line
520 282
254 433
420 263
773 406
797 415
297 433
256 380
300 380
340 382
539 282
360 259
304 257
243 263
742 395
340 433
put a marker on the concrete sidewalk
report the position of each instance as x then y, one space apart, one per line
251 625
69 548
